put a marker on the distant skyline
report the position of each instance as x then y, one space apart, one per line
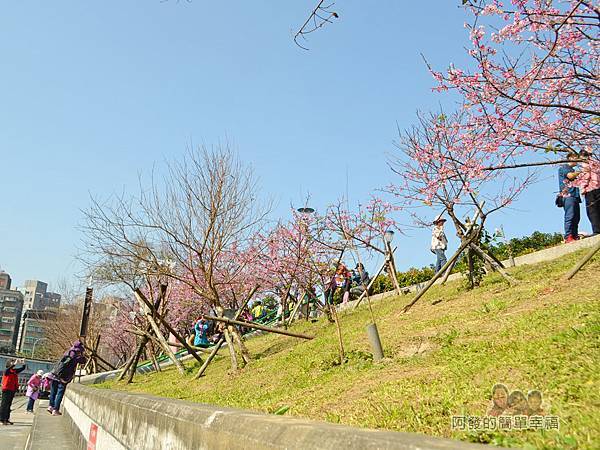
94 94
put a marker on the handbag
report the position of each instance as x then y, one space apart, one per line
559 201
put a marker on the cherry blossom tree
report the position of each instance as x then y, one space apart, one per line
440 166
191 229
535 79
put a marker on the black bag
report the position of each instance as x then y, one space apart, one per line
560 201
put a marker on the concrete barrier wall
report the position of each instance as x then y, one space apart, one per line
121 420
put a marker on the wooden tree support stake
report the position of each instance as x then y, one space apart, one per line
221 340
363 295
583 261
163 342
169 327
440 272
259 327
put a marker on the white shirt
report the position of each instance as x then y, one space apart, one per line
438 238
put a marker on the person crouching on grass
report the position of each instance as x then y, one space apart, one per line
10 385
63 374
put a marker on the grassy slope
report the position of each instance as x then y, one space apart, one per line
442 360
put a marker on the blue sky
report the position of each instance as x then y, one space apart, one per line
94 93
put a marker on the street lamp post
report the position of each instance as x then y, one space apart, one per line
388 237
34 343
306 213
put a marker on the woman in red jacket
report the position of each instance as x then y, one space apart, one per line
10 385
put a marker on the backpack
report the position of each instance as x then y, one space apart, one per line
66 366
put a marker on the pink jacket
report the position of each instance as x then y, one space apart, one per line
33 386
45 386
589 179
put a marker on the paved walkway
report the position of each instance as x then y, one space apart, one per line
38 431
49 432
15 436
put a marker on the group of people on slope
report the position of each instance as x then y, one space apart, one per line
349 282
56 381
576 180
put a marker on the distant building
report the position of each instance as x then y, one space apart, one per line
36 296
11 307
107 308
31 330
39 305
4 280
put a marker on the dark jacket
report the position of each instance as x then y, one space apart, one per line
64 371
361 280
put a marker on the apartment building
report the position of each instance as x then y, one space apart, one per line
11 308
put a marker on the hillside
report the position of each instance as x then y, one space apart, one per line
442 360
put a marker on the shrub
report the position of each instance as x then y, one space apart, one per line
501 250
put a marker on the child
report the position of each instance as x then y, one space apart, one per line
10 385
33 389
45 386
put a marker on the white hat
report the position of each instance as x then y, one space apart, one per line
40 373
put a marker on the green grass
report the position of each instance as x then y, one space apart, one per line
441 360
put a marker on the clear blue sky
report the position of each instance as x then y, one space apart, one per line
92 93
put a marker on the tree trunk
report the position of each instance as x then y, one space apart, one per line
153 357
486 257
342 354
234 362
471 269
237 338
392 268
133 367
130 360
222 338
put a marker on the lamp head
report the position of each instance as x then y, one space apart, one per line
388 236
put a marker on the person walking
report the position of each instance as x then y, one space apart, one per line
570 197
439 243
33 389
63 374
10 385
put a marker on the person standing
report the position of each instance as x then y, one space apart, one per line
589 184
63 374
344 282
33 389
10 385
439 243
570 197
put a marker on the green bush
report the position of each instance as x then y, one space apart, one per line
501 250
411 276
